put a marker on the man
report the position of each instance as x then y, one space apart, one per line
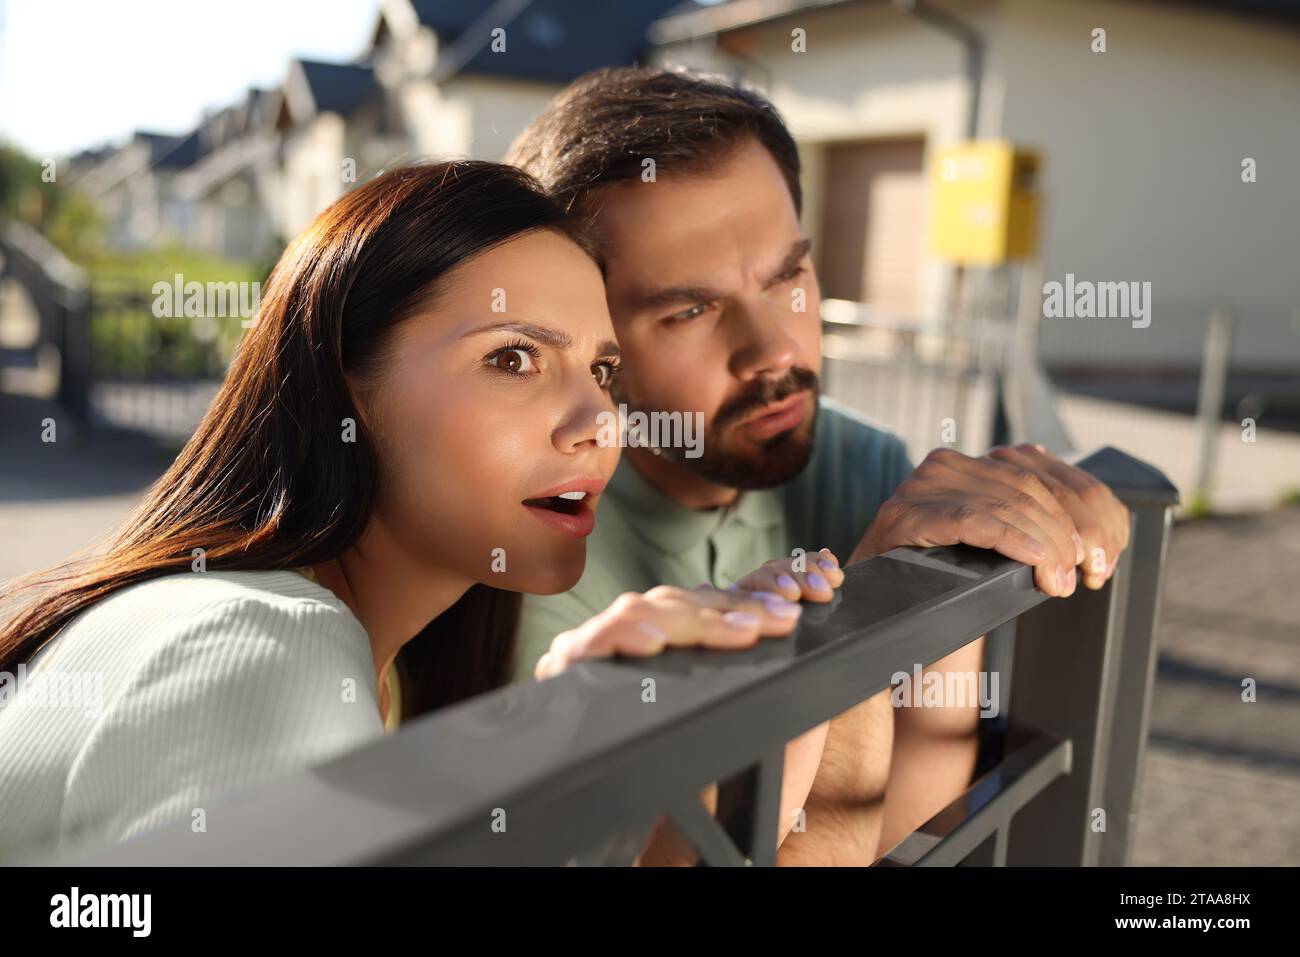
691 188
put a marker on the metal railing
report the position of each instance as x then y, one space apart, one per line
60 293
118 363
931 382
577 768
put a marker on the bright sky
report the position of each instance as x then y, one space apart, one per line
78 73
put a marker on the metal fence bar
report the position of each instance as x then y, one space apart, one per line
575 758
1135 678
59 291
569 762
976 822
1083 671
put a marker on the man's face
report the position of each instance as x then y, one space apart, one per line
715 304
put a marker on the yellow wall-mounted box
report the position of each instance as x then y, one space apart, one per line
984 202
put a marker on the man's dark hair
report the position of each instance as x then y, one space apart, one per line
601 128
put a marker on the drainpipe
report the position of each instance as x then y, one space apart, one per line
969 38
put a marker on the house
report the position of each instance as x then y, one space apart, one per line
334 126
439 79
213 189
132 186
1144 131
467 77
231 187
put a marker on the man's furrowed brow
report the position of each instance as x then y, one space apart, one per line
552 337
793 257
674 295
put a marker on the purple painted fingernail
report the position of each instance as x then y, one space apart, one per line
785 581
740 619
784 609
817 581
653 630
769 597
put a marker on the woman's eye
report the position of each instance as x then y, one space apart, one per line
603 373
516 361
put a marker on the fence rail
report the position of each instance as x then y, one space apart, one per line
578 767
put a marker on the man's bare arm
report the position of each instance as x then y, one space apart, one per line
844 810
935 751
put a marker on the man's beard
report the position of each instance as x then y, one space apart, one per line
771 462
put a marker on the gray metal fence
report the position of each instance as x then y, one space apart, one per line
578 767
119 364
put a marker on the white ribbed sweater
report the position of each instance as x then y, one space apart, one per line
209 682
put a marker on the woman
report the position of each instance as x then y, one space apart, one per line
405 441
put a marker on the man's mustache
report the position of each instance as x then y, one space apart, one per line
763 392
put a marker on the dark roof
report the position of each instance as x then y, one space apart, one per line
549 40
338 87
184 153
449 18
159 146
93 154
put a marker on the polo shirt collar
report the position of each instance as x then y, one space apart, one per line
672 527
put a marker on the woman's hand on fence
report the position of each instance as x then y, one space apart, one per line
642 625
810 576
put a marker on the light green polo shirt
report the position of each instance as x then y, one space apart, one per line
643 538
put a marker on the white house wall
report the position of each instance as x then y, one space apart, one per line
313 170
1142 149
1141 145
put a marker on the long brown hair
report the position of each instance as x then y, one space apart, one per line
265 482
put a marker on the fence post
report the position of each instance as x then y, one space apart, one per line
75 372
1209 402
1083 671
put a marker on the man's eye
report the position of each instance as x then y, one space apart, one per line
517 360
793 274
692 313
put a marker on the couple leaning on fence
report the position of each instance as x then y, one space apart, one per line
392 462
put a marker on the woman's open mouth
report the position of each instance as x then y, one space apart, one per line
569 512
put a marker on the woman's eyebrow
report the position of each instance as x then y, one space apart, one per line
552 337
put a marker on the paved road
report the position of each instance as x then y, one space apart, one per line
1222 782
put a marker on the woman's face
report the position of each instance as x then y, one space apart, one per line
489 409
